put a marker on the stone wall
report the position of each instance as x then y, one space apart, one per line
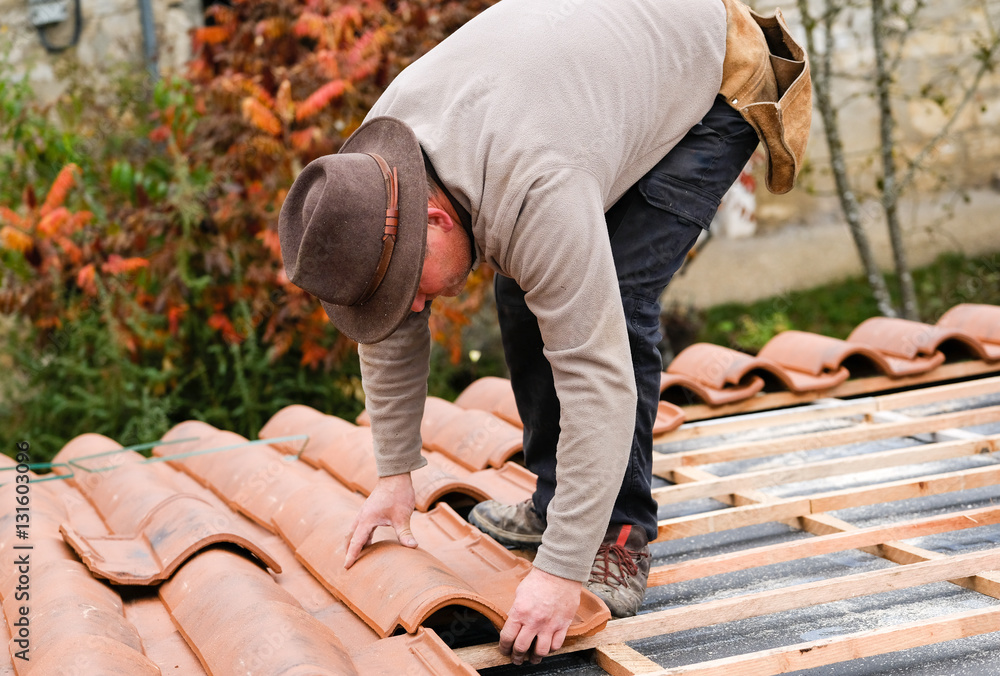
938 59
111 33
938 56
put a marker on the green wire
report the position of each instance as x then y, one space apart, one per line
137 447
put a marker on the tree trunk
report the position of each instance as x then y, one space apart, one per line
822 80
890 195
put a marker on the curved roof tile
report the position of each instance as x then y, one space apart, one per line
979 321
719 367
161 640
813 354
76 620
668 417
217 638
474 439
233 615
805 362
682 389
252 479
154 527
315 523
908 339
465 568
348 454
493 395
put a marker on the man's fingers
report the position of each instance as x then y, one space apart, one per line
405 536
362 536
543 643
389 504
508 634
558 638
350 532
522 645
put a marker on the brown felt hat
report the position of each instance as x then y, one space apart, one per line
353 229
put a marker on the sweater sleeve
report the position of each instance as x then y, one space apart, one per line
560 254
394 375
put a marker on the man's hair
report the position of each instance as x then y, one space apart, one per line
433 189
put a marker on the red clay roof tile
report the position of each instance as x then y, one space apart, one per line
511 484
349 457
482 561
256 489
320 428
161 641
811 353
668 417
90 654
76 621
718 367
979 321
321 604
315 523
493 395
437 414
154 526
680 388
239 621
424 648
908 339
474 439
465 569
81 512
348 454
424 653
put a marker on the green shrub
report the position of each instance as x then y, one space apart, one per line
141 272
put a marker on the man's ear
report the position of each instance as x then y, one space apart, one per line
439 219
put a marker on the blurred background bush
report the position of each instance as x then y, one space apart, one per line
141 279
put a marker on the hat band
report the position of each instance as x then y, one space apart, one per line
389 231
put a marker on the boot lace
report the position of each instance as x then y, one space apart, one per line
604 568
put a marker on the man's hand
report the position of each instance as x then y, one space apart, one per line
544 607
390 504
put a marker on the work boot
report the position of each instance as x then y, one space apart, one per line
621 569
518 526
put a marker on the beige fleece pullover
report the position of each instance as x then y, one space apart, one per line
537 116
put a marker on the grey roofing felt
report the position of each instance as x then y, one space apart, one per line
975 656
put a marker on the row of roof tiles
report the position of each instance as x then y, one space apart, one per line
226 556
806 362
796 361
229 553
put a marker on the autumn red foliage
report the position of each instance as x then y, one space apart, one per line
273 85
287 82
170 236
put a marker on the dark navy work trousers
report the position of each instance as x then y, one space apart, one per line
652 227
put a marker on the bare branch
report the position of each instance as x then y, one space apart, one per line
822 80
883 80
909 22
986 55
